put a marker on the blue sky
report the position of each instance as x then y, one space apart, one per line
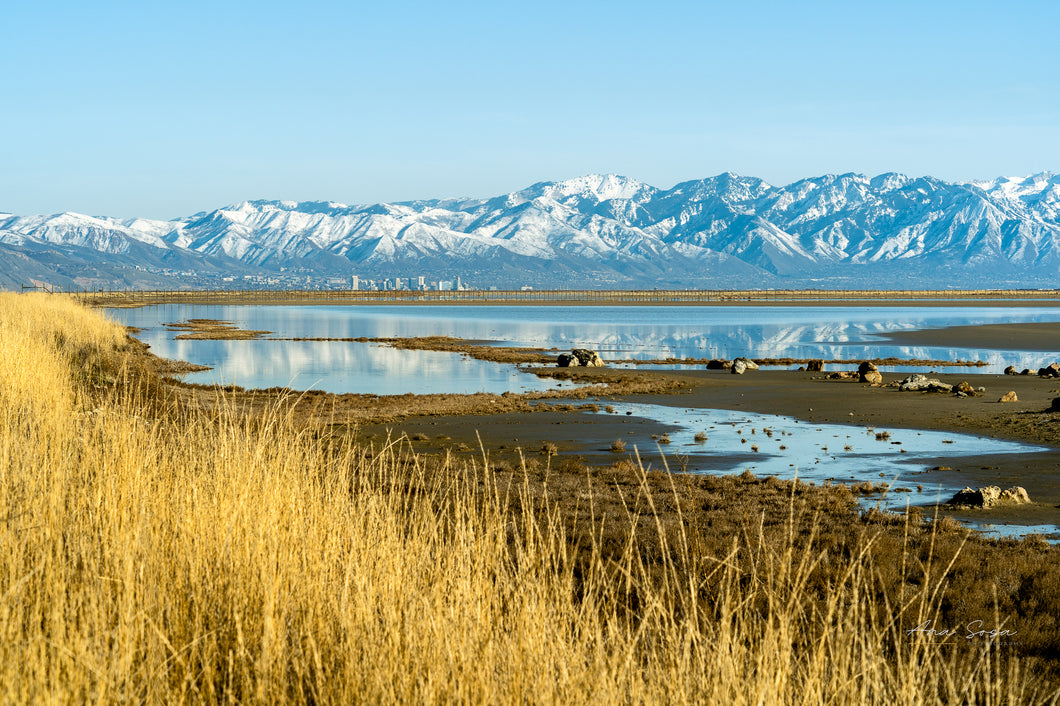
164 109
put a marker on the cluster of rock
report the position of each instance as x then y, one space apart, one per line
866 372
580 357
990 496
739 366
918 382
1050 371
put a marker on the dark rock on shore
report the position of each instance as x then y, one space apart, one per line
1050 371
918 382
741 364
580 357
867 372
990 496
588 358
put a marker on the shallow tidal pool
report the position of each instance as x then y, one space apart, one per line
723 441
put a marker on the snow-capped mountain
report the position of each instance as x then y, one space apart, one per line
608 231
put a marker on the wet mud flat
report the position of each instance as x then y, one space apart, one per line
577 435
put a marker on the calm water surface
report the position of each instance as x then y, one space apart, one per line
615 331
767 444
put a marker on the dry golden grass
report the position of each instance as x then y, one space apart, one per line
161 554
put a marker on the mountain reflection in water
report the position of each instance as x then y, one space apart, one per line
634 332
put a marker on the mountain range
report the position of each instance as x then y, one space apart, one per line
595 231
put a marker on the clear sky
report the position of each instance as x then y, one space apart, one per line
164 109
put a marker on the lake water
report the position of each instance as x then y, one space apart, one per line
769 444
817 452
617 332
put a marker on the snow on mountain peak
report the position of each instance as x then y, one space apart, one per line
889 181
247 207
611 221
1015 188
602 187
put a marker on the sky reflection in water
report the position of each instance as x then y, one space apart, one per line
768 444
787 447
341 367
617 332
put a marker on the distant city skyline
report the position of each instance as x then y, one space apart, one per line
151 111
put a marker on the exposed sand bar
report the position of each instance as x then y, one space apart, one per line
658 297
1014 337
